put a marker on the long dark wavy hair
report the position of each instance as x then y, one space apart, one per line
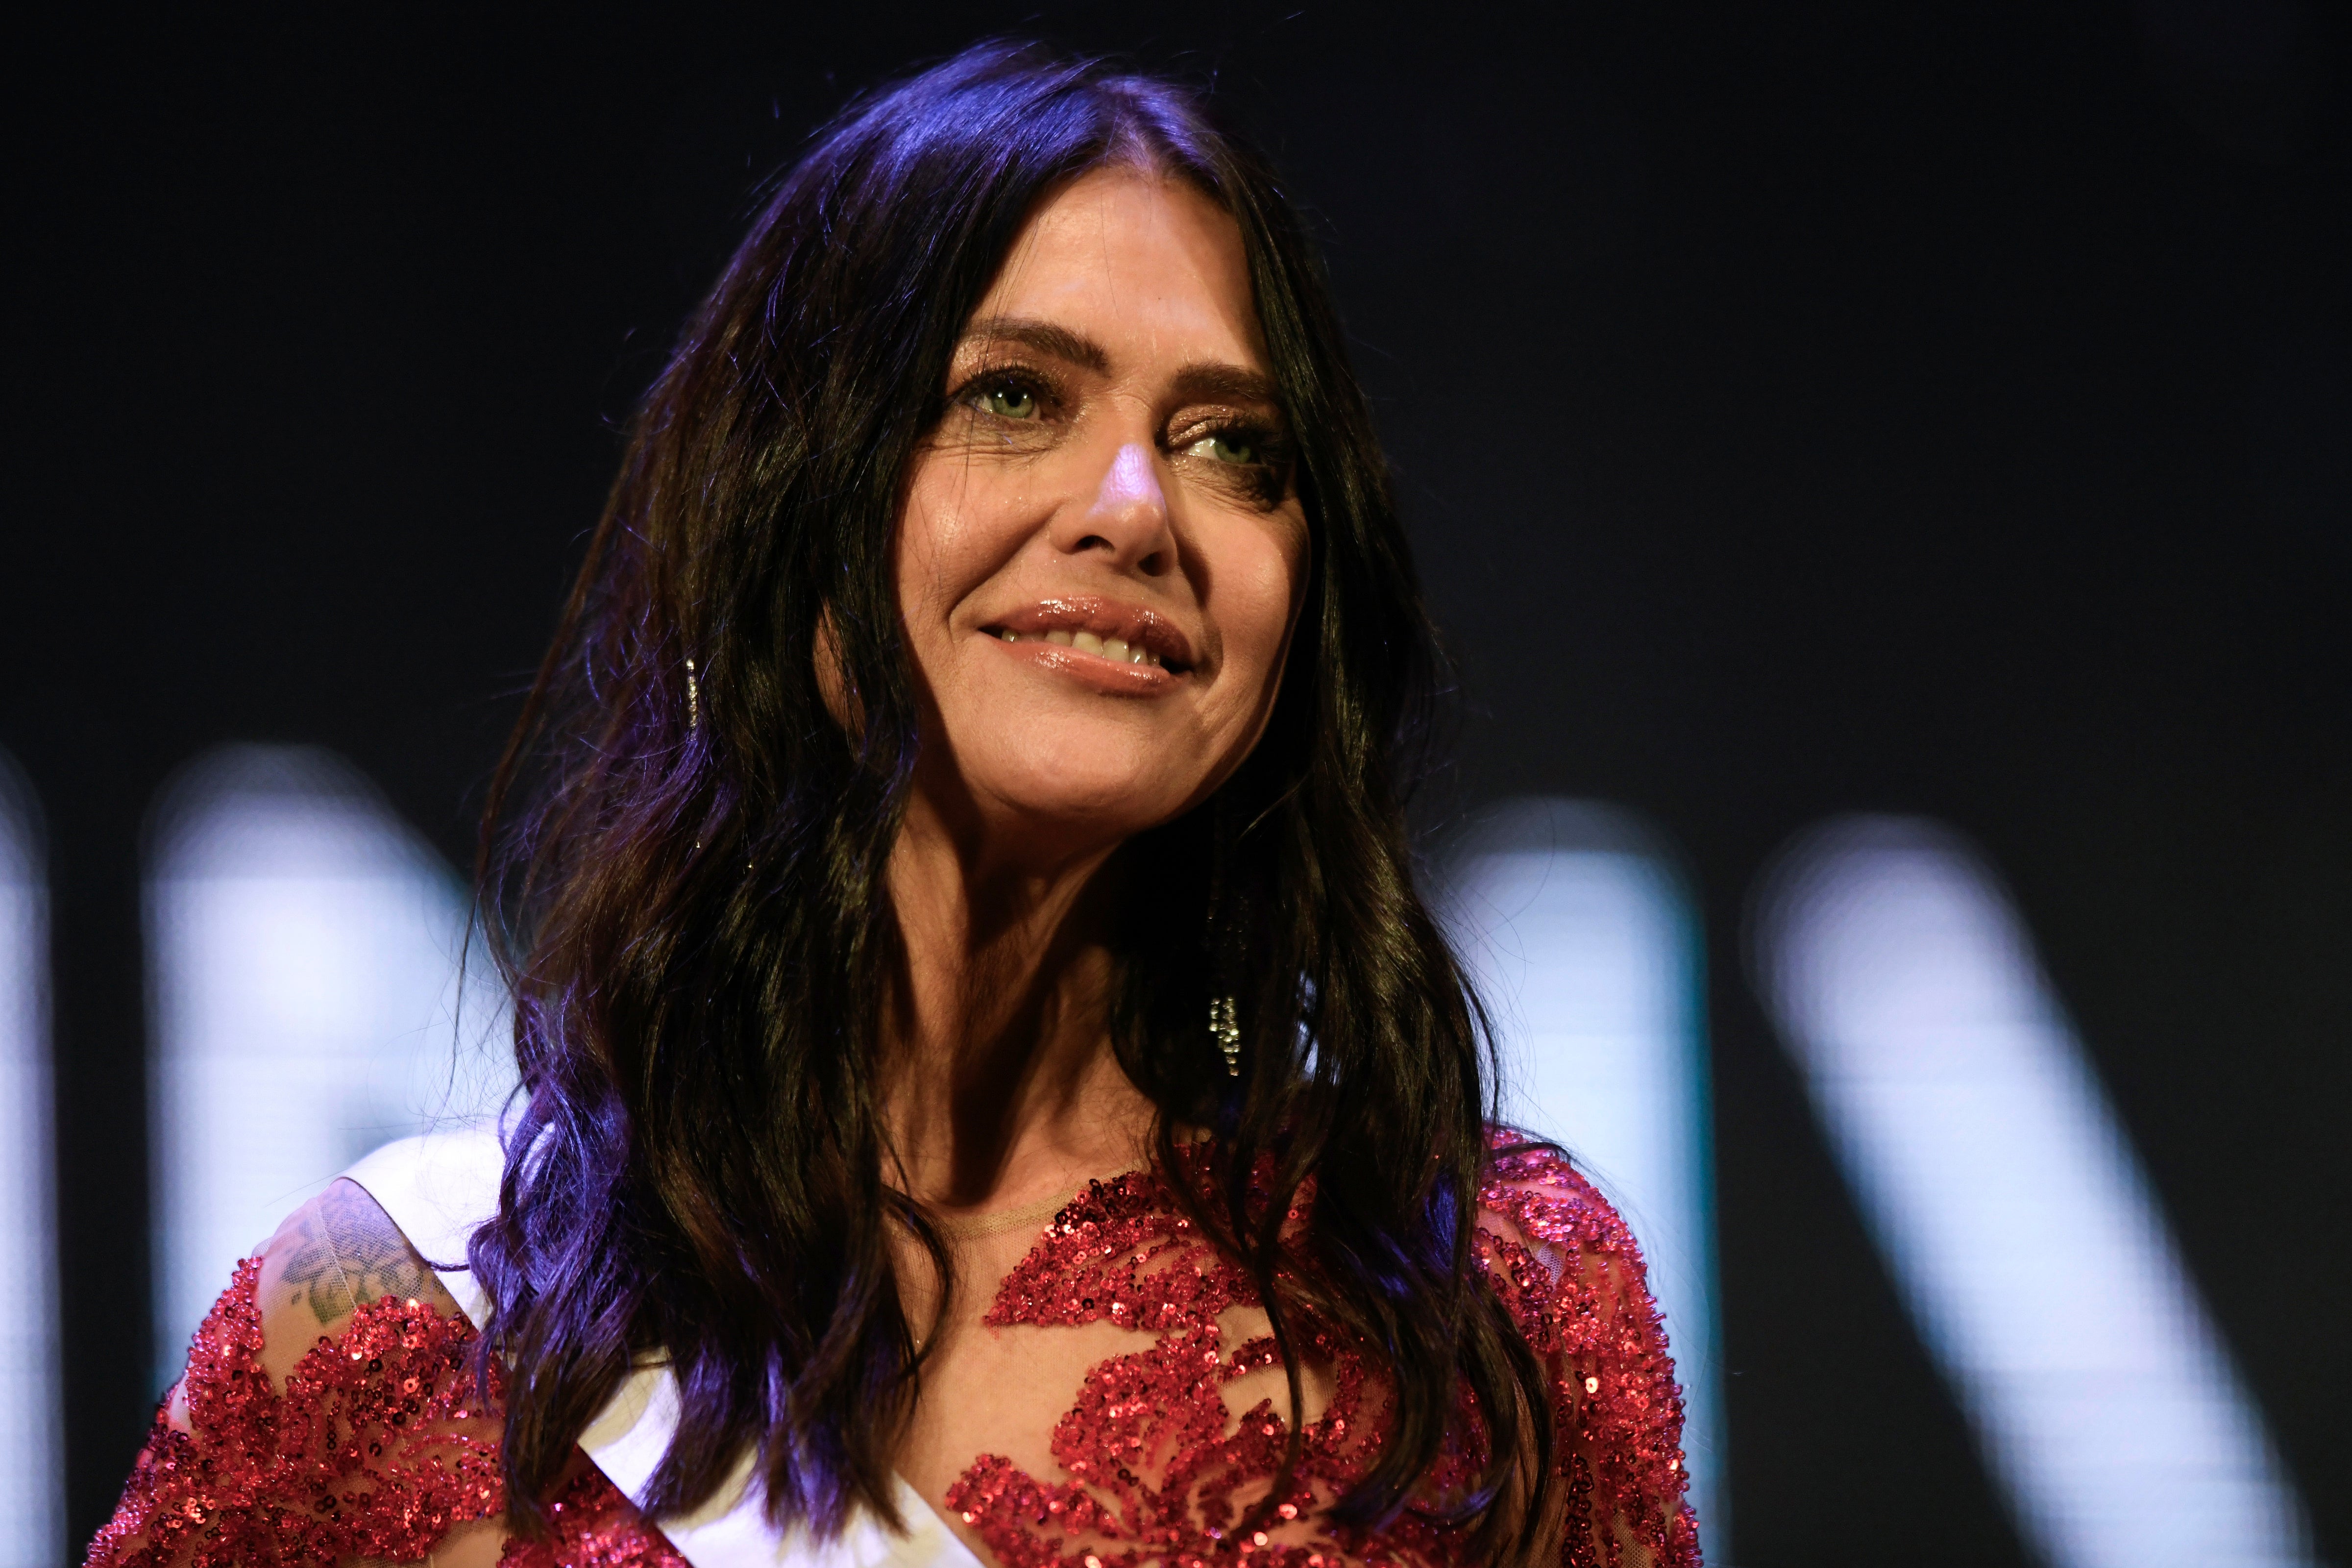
684 854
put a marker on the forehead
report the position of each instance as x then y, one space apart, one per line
1143 263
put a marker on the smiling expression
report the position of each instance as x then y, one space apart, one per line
1102 553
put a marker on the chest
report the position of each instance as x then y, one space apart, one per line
1112 1381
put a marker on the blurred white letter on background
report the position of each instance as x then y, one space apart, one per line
1585 946
303 945
32 1522
2010 1208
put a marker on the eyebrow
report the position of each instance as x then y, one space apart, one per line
1046 338
1208 381
1215 382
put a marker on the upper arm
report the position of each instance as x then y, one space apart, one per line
329 1414
335 1254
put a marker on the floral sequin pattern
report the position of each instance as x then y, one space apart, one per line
380 1442
366 1452
1571 1279
1158 1469
595 1527
378 1446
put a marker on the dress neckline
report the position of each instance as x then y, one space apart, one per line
974 1227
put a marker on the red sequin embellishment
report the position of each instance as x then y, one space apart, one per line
1158 1469
380 1444
345 1462
377 1446
595 1527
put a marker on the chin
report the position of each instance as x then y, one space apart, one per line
1098 802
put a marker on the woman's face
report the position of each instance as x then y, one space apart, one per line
1102 555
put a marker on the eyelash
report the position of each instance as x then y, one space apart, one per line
1275 451
1270 473
1018 381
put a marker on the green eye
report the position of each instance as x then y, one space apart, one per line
1229 448
1010 402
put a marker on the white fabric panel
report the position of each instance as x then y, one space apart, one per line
438 1189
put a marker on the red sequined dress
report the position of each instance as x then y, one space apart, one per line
379 1445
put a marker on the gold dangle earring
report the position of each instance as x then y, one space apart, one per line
1224 1014
693 715
1225 1029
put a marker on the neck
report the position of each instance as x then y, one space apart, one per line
1000 1086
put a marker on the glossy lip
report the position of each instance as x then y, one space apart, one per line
1104 617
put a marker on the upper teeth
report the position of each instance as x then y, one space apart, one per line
1113 648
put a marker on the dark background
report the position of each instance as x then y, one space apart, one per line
1937 408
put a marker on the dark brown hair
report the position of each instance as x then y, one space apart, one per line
684 857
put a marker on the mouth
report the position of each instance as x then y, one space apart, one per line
1118 634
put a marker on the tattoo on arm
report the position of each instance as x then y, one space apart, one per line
349 1254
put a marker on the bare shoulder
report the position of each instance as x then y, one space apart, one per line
333 1255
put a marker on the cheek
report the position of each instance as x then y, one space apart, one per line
944 550
964 521
928 532
1264 586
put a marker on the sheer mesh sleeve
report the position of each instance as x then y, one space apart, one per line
1566 1267
376 1445
310 1430
330 1414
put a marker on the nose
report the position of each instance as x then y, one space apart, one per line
1127 518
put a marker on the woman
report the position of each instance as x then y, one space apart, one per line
991 1088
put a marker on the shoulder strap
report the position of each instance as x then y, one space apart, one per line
438 1189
